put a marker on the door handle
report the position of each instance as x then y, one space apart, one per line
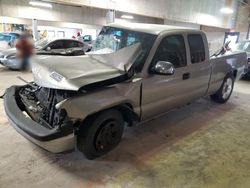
186 76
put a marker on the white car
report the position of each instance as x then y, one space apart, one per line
65 47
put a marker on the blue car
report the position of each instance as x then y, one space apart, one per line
9 38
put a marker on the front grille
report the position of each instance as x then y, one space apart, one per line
40 104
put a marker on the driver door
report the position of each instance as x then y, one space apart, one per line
161 93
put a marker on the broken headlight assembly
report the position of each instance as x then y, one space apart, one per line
40 103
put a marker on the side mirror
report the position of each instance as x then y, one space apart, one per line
164 67
48 49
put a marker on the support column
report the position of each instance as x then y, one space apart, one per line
248 32
4 27
110 16
34 29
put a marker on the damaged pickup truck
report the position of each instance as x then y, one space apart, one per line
134 73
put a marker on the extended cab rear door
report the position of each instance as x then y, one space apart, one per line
199 67
161 93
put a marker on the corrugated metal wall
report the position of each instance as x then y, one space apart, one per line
205 12
61 13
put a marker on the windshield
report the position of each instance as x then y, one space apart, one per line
112 39
5 38
42 43
245 46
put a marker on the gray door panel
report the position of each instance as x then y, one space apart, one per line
199 78
161 93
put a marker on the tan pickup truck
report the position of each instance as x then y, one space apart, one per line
134 72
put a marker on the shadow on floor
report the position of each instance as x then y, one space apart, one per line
5 69
143 141
2 68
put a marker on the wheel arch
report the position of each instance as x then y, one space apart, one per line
234 72
126 110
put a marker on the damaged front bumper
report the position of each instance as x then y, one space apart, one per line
54 140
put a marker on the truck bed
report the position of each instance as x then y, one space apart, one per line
231 61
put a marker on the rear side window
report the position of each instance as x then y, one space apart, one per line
172 49
197 49
73 44
79 44
57 45
76 44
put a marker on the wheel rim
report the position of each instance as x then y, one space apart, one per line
108 136
227 88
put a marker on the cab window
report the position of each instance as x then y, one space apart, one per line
172 49
197 49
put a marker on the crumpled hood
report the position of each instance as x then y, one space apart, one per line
74 72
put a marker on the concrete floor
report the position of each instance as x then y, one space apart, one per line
201 145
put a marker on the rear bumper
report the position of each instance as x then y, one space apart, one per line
53 140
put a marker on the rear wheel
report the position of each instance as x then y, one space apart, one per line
101 134
225 91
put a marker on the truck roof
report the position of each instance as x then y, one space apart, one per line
148 28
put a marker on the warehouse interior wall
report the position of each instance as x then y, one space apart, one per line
78 14
242 21
201 12
215 36
63 13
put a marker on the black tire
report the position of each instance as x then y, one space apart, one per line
100 133
225 91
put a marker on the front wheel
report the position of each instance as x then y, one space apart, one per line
225 91
100 134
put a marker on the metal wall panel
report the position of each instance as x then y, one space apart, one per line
205 12
61 13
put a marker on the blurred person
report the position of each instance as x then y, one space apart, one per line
79 37
25 49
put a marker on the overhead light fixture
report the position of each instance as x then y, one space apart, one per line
226 10
40 4
127 17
